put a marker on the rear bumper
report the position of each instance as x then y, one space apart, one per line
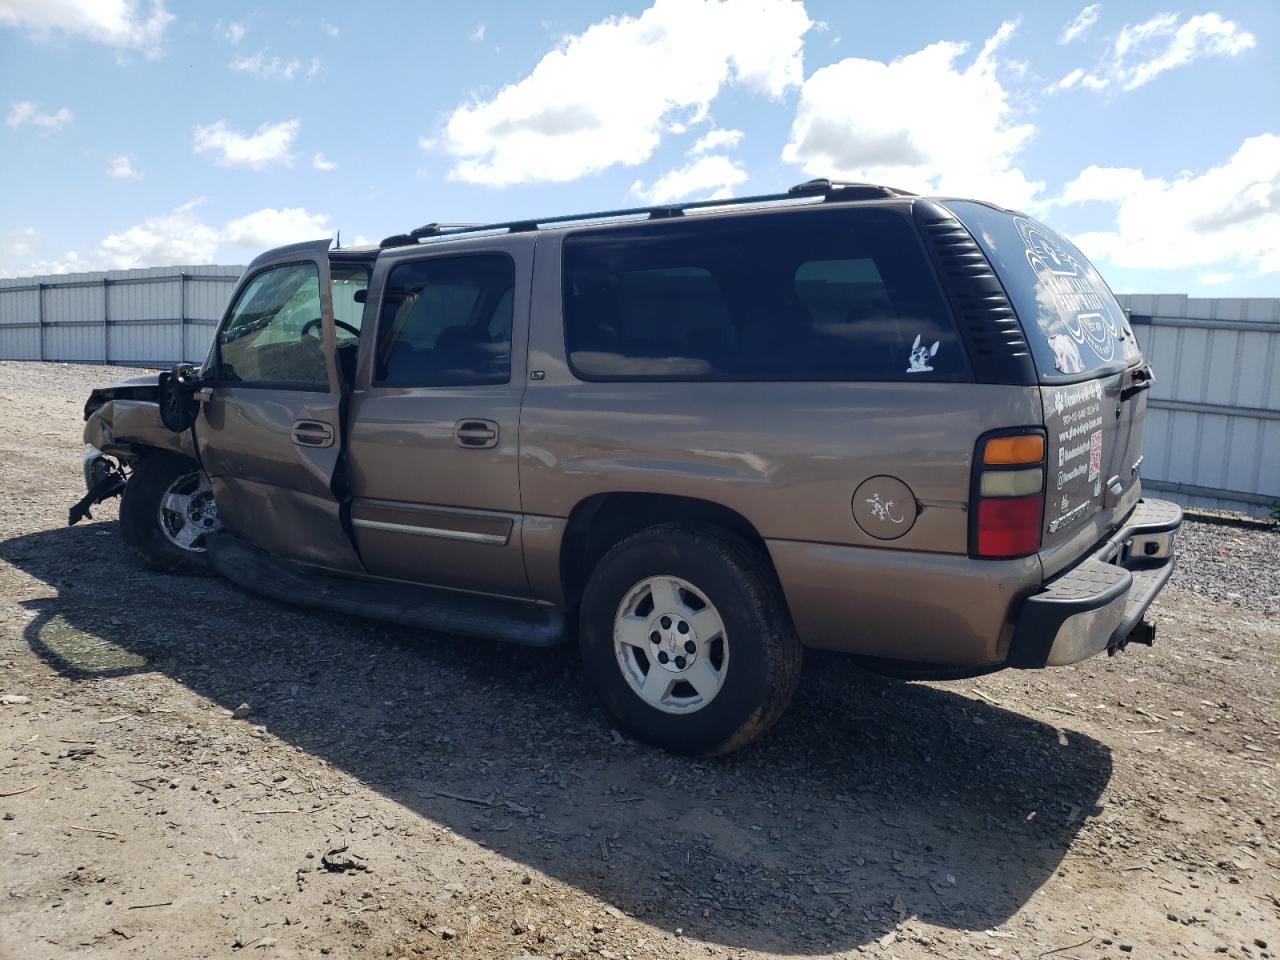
1099 602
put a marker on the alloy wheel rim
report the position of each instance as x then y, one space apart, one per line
187 512
671 645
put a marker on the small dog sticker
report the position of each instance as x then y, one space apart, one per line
921 355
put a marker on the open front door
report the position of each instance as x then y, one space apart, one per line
269 427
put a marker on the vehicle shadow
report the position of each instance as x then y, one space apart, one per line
871 801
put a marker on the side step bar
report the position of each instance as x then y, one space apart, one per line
430 608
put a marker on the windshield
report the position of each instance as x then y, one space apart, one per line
1069 315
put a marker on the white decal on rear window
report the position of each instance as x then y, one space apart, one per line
1074 297
921 355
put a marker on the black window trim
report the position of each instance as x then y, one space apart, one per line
1050 377
217 382
965 376
384 284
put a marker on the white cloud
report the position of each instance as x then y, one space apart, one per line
329 29
717 140
1143 51
234 32
1229 214
1108 184
123 24
26 112
1212 279
920 122
177 237
269 144
1081 23
121 167
1077 78
478 33
18 243
274 68
320 162
714 176
606 96
274 228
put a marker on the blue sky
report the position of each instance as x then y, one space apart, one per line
146 133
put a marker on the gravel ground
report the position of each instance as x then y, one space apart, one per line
1231 564
391 794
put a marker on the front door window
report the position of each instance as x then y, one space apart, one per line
273 336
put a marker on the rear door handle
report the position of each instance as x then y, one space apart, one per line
1141 379
312 433
475 434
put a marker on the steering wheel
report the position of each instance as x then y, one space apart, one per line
306 327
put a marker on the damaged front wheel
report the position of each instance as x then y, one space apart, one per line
167 511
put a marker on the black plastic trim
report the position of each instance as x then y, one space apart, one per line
415 605
1043 615
993 335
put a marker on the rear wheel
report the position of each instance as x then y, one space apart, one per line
167 511
686 637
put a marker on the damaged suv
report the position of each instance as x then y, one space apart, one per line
699 438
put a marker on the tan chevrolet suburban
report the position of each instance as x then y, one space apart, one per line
699 437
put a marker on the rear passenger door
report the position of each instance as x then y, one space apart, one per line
435 417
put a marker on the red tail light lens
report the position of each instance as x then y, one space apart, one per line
1009 526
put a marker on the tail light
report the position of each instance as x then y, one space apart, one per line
1008 494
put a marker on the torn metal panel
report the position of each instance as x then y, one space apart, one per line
124 427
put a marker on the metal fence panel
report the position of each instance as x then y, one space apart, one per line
19 342
149 317
1213 421
19 306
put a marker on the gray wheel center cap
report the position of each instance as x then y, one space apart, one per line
672 643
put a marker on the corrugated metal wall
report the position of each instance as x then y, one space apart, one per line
1213 421
137 318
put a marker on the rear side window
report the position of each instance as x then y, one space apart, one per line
811 295
1069 315
446 322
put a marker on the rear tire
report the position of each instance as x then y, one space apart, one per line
166 511
686 637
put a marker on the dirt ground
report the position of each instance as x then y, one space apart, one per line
400 795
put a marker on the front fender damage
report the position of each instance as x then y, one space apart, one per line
128 428
118 432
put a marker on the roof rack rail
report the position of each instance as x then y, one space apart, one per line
829 191
837 190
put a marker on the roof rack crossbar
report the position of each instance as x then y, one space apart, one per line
825 190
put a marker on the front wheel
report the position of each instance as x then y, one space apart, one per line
687 639
167 511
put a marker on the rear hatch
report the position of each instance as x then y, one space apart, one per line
1091 373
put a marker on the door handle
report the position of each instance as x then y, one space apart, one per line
312 433
475 434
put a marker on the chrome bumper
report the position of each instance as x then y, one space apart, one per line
1097 604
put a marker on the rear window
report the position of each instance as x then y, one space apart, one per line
1068 313
813 295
